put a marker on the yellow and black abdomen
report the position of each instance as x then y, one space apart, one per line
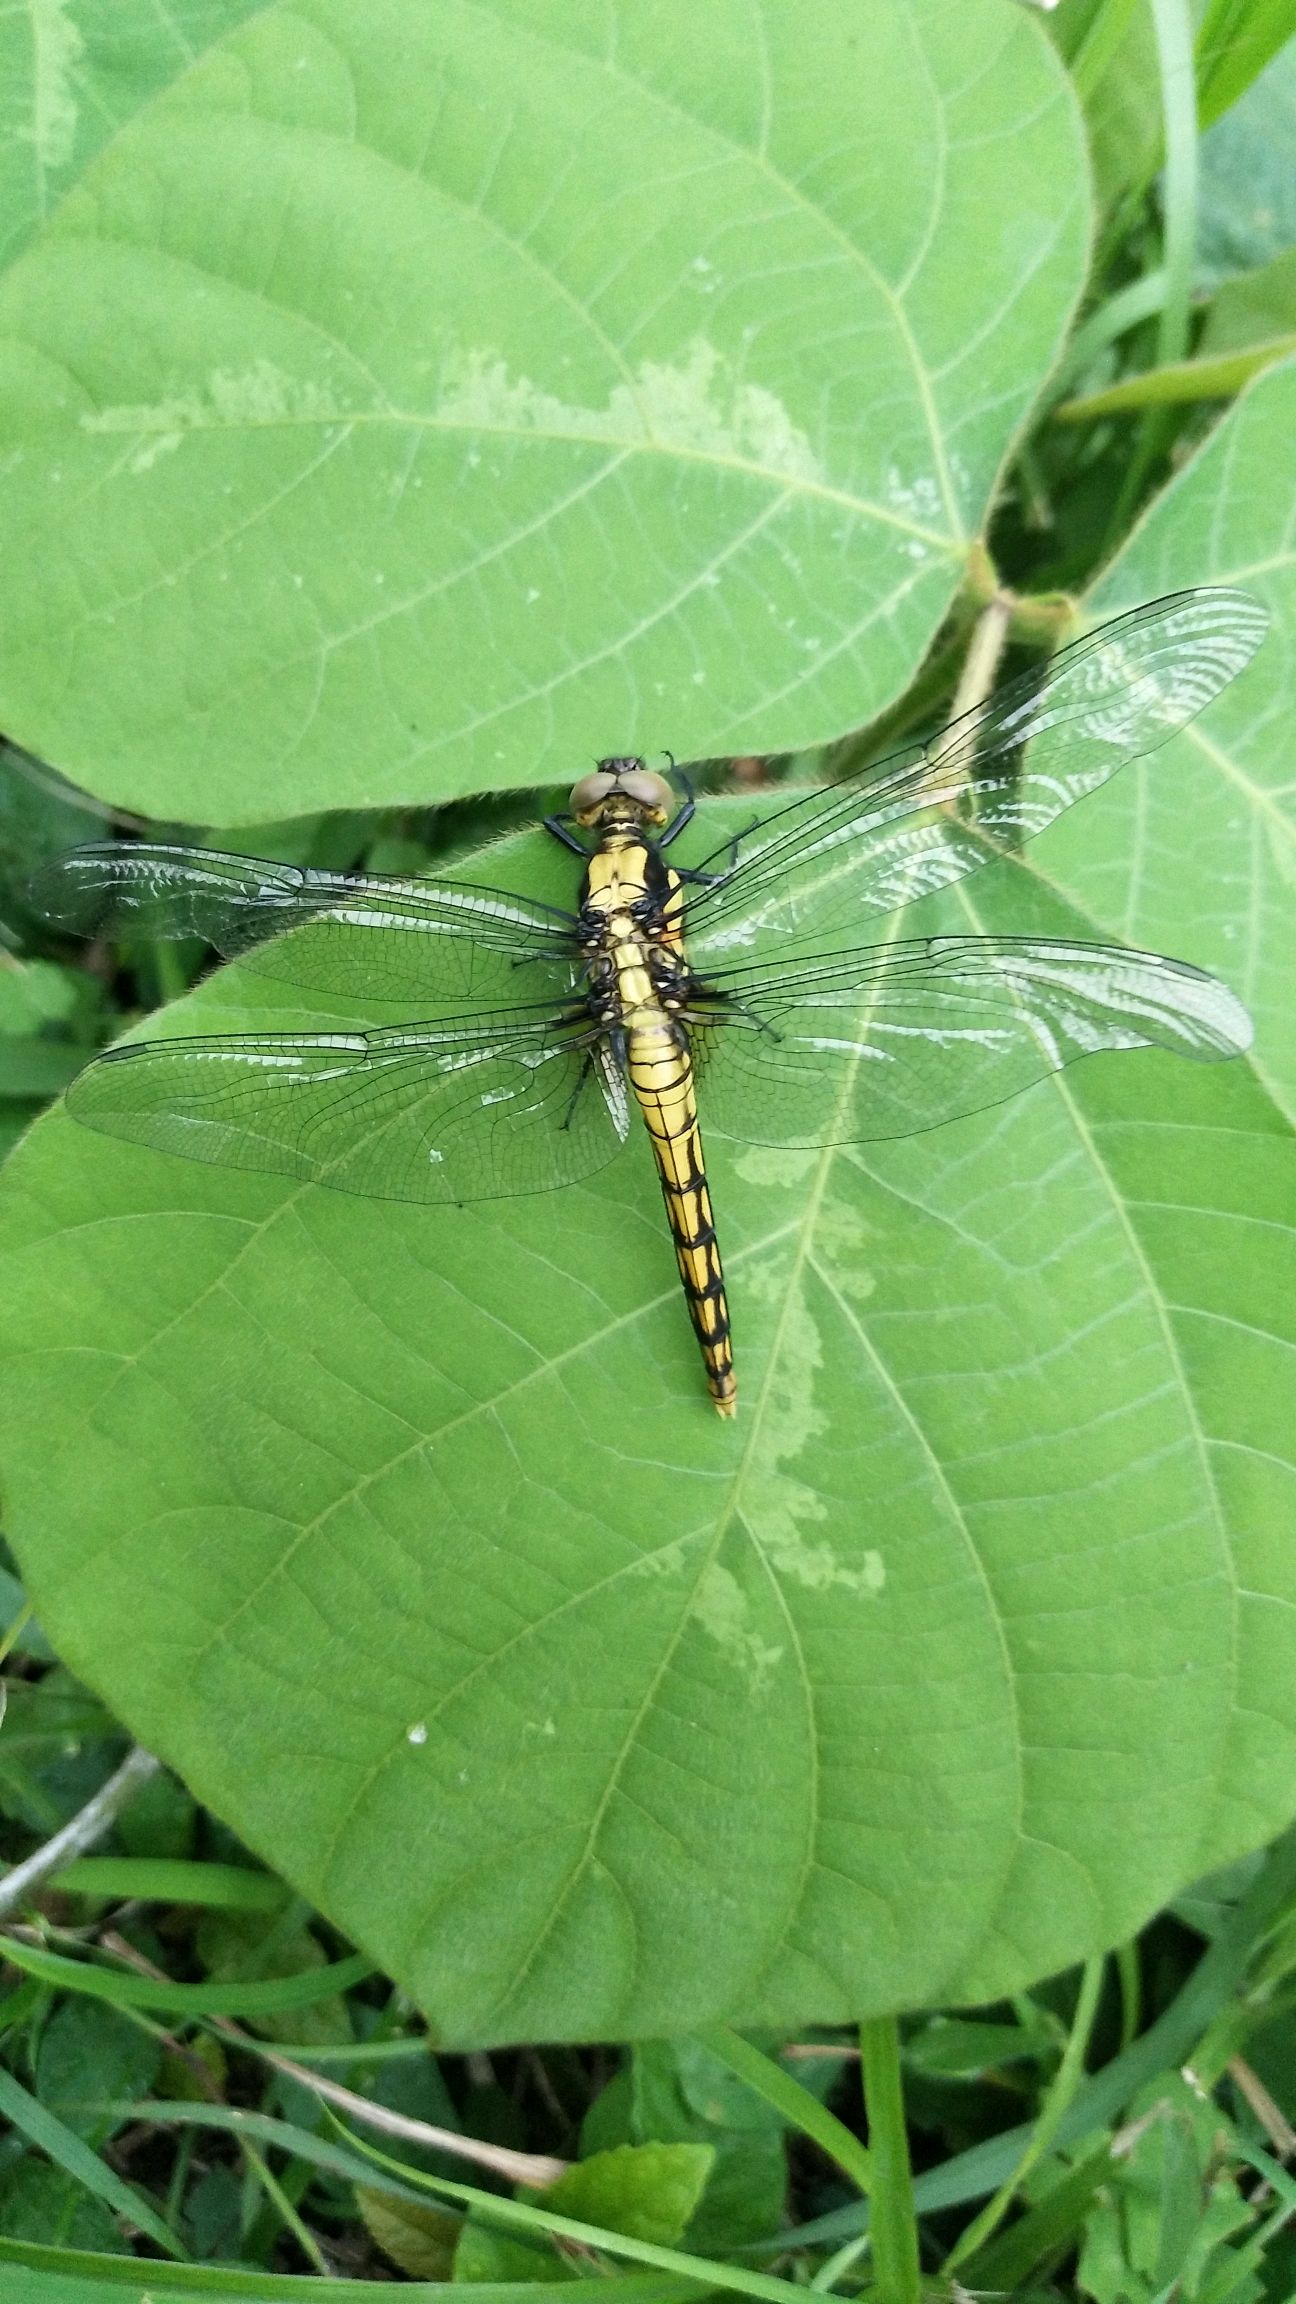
661 1074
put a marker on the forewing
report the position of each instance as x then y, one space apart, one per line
432 941
479 1111
910 1035
931 814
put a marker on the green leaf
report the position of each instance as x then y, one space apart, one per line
39 816
1202 2009
484 2257
952 2047
650 2191
1167 2206
89 2054
40 2202
1115 69
525 2217
680 2091
1215 378
1248 185
409 1537
76 2160
1052 2226
420 459
647 2191
1235 40
45 1031
57 1747
234 1943
1253 308
419 2237
14 1119
37 1068
158 1824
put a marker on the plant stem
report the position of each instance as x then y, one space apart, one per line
893 2224
1067 2079
90 1823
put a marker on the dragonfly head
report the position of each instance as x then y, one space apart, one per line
624 790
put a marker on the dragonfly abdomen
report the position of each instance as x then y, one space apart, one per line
660 1070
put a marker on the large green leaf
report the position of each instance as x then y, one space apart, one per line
409 400
409 1536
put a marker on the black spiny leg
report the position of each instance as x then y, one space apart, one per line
582 1082
684 814
722 1006
558 826
677 824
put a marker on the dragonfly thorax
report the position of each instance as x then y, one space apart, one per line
621 790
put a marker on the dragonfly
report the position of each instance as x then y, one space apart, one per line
742 982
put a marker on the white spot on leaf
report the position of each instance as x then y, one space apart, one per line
697 406
56 51
722 1608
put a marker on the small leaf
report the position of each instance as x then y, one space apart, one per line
419 2239
159 1820
485 2255
957 2049
1247 209
1235 41
1253 308
39 2202
649 2191
746 2191
236 1945
90 2055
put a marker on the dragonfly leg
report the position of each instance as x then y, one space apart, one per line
587 1067
711 879
558 826
684 814
730 1007
739 837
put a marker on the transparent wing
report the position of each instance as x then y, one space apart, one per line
907 1036
483 1110
381 939
913 824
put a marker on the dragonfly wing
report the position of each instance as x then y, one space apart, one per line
992 779
910 1035
478 1111
380 939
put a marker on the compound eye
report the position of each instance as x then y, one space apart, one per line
649 791
591 792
